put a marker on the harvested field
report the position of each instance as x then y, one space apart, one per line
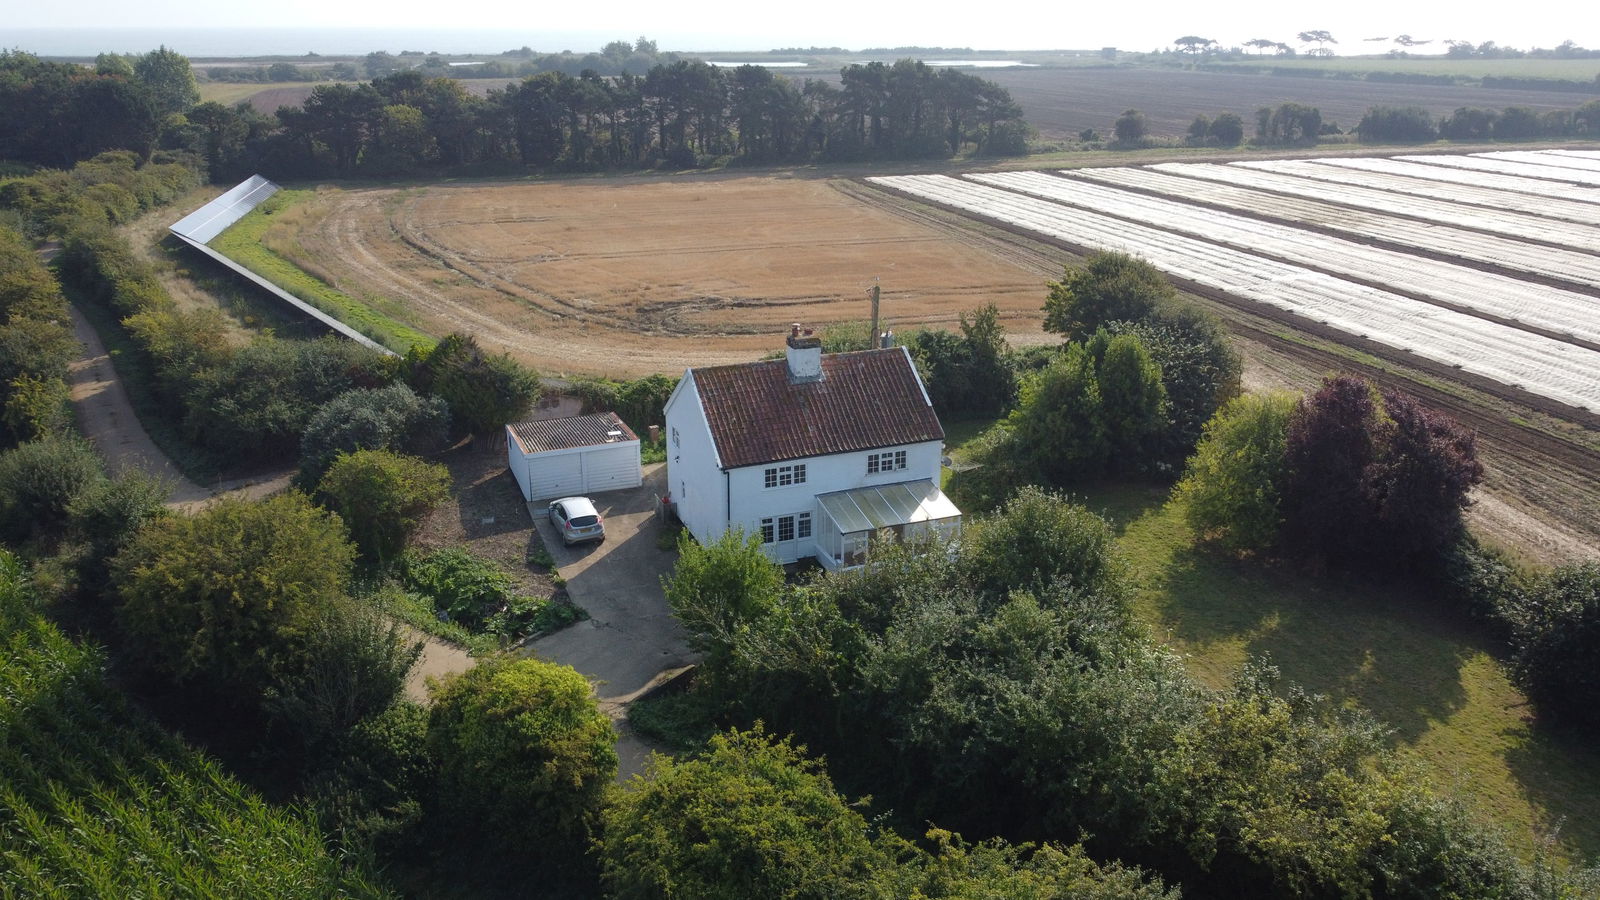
630 277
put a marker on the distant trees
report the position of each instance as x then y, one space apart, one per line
1411 124
1288 123
1193 45
1131 127
1321 38
1226 130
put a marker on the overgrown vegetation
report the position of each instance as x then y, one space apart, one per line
97 800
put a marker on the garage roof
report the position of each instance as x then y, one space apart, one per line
570 432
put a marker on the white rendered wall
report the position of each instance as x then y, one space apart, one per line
694 475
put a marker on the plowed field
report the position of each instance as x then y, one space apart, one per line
629 277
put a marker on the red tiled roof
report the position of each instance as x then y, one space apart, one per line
570 432
864 400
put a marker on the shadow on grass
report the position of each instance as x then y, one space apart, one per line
1386 648
1560 771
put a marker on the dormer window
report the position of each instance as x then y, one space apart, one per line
889 461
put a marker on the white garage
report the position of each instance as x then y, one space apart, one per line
573 455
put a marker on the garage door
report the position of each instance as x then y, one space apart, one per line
611 468
558 475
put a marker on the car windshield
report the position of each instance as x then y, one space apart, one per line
581 521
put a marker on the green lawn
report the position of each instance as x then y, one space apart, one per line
1436 683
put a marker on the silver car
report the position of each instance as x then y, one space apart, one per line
576 520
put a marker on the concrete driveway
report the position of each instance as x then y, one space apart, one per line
631 642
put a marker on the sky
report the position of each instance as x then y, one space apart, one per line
495 25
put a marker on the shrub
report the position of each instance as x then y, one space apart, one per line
1038 540
374 793
1133 399
1231 491
1556 641
1108 287
718 587
387 418
1411 124
749 817
35 408
1227 129
109 512
1058 426
1373 478
524 757
228 600
1199 373
1131 127
358 665
484 391
967 374
258 403
383 497
38 483
468 588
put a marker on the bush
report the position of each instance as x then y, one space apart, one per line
383 498
1133 400
1039 540
716 588
484 391
1108 287
1131 127
228 601
1556 641
358 665
749 817
524 757
1374 479
38 483
466 587
967 375
1231 491
258 403
386 418
1058 426
1199 373
109 512
374 793
1391 124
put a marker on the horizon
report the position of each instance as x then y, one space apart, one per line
222 39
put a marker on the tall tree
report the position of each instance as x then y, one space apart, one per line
170 79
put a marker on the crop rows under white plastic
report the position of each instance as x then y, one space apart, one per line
1511 224
1545 158
1518 183
1507 167
1534 305
1493 198
1586 154
1573 266
1544 366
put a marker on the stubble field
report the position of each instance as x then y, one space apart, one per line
628 277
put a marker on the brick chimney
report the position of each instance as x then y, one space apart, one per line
804 355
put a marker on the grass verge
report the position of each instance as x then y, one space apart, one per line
1389 649
243 243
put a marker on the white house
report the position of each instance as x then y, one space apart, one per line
573 455
818 454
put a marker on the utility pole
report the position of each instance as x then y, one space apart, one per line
874 292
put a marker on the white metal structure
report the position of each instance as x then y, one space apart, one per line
198 228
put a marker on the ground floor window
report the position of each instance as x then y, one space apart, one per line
780 529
